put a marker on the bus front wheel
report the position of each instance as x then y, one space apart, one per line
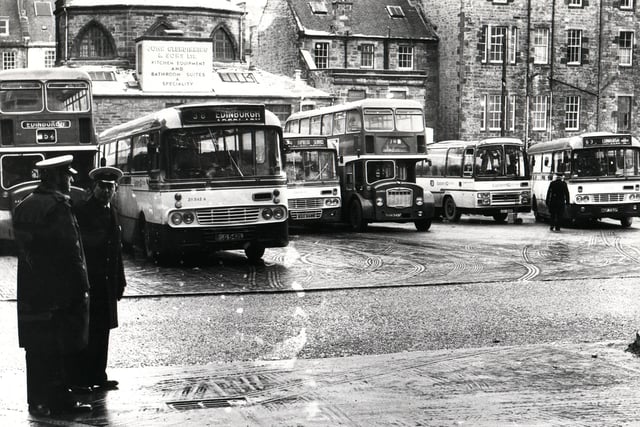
254 252
499 217
356 219
423 224
626 222
451 211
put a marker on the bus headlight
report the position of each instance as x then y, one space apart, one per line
634 196
188 217
484 199
582 198
331 202
525 197
267 213
419 201
278 213
379 202
176 218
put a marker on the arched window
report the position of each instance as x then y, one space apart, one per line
223 49
95 42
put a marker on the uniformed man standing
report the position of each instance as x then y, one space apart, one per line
52 297
100 231
557 200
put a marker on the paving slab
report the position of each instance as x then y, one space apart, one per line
550 384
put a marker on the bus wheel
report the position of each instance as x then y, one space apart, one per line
451 212
626 222
423 224
254 252
356 219
499 217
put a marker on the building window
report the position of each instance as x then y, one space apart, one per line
321 54
511 117
49 58
494 112
495 44
318 7
513 45
43 8
405 57
625 47
574 47
395 11
366 55
9 60
356 94
539 112
237 77
541 46
222 46
572 113
626 4
95 43
4 26
624 113
575 3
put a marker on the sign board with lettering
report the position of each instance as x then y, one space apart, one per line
175 65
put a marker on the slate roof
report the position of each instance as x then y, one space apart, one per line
204 4
369 18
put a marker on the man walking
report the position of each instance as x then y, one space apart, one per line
557 199
100 231
52 295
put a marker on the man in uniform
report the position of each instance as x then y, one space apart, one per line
557 199
52 295
100 231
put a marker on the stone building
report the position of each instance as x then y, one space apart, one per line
144 55
536 69
352 48
27 37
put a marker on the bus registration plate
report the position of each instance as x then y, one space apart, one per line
226 237
607 210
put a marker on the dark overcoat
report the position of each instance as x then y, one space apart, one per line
557 196
101 237
52 295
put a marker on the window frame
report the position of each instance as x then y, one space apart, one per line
404 55
628 6
627 116
574 3
4 25
541 34
572 112
322 47
539 115
628 50
574 46
492 113
366 54
9 57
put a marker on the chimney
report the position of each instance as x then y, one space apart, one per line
342 11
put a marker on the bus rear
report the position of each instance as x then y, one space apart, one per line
43 113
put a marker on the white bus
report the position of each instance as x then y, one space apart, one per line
200 177
313 188
488 177
601 169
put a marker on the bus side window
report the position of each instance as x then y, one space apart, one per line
454 162
326 124
315 125
546 164
467 168
140 160
304 126
354 121
123 154
338 123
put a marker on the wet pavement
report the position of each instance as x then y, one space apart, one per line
551 384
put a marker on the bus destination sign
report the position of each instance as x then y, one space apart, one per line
614 140
45 124
223 114
307 143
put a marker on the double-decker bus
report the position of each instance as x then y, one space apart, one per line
378 142
488 177
43 113
313 188
200 177
601 169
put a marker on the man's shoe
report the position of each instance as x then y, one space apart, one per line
40 410
106 385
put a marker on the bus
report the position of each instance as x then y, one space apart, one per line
488 177
378 142
43 113
200 177
313 188
601 169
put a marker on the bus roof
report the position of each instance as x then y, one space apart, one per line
170 118
575 141
362 103
457 143
43 74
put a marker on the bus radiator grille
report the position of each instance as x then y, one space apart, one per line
315 214
399 198
305 203
607 197
505 198
228 216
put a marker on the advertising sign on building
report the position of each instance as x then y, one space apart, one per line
174 65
